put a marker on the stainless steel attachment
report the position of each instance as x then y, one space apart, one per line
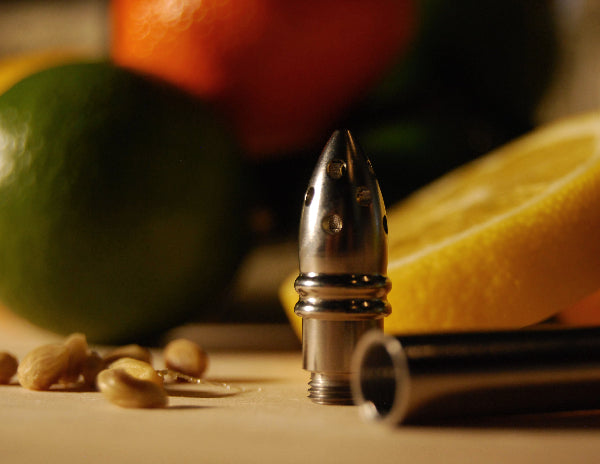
423 378
342 285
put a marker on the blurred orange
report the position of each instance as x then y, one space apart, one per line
584 312
283 71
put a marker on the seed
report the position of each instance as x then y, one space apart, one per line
77 345
138 369
185 356
126 391
42 367
129 351
8 366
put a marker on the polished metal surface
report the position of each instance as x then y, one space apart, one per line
429 378
342 285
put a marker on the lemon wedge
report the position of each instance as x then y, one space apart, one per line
505 241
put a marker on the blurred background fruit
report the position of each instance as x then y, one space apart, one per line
584 312
14 68
472 80
121 203
426 86
284 72
443 83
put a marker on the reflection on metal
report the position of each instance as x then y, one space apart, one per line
343 261
424 378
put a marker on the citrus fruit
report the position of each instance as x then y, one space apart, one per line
15 68
121 207
584 312
504 241
283 71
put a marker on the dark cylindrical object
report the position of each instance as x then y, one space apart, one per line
420 378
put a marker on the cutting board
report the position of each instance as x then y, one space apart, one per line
264 417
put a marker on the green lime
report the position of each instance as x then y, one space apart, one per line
121 209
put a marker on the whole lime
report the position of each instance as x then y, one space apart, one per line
121 208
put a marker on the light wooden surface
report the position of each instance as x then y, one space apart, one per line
266 418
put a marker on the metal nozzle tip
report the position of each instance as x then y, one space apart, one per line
343 228
343 262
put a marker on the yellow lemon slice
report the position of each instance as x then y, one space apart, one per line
502 242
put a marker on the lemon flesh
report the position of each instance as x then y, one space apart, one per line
503 242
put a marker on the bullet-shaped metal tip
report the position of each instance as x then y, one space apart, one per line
343 226
343 262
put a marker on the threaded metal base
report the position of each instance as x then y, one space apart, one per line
330 389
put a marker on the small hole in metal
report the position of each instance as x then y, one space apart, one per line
385 226
363 196
310 193
336 168
332 224
378 383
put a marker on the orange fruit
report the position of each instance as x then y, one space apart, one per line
503 242
282 71
584 312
